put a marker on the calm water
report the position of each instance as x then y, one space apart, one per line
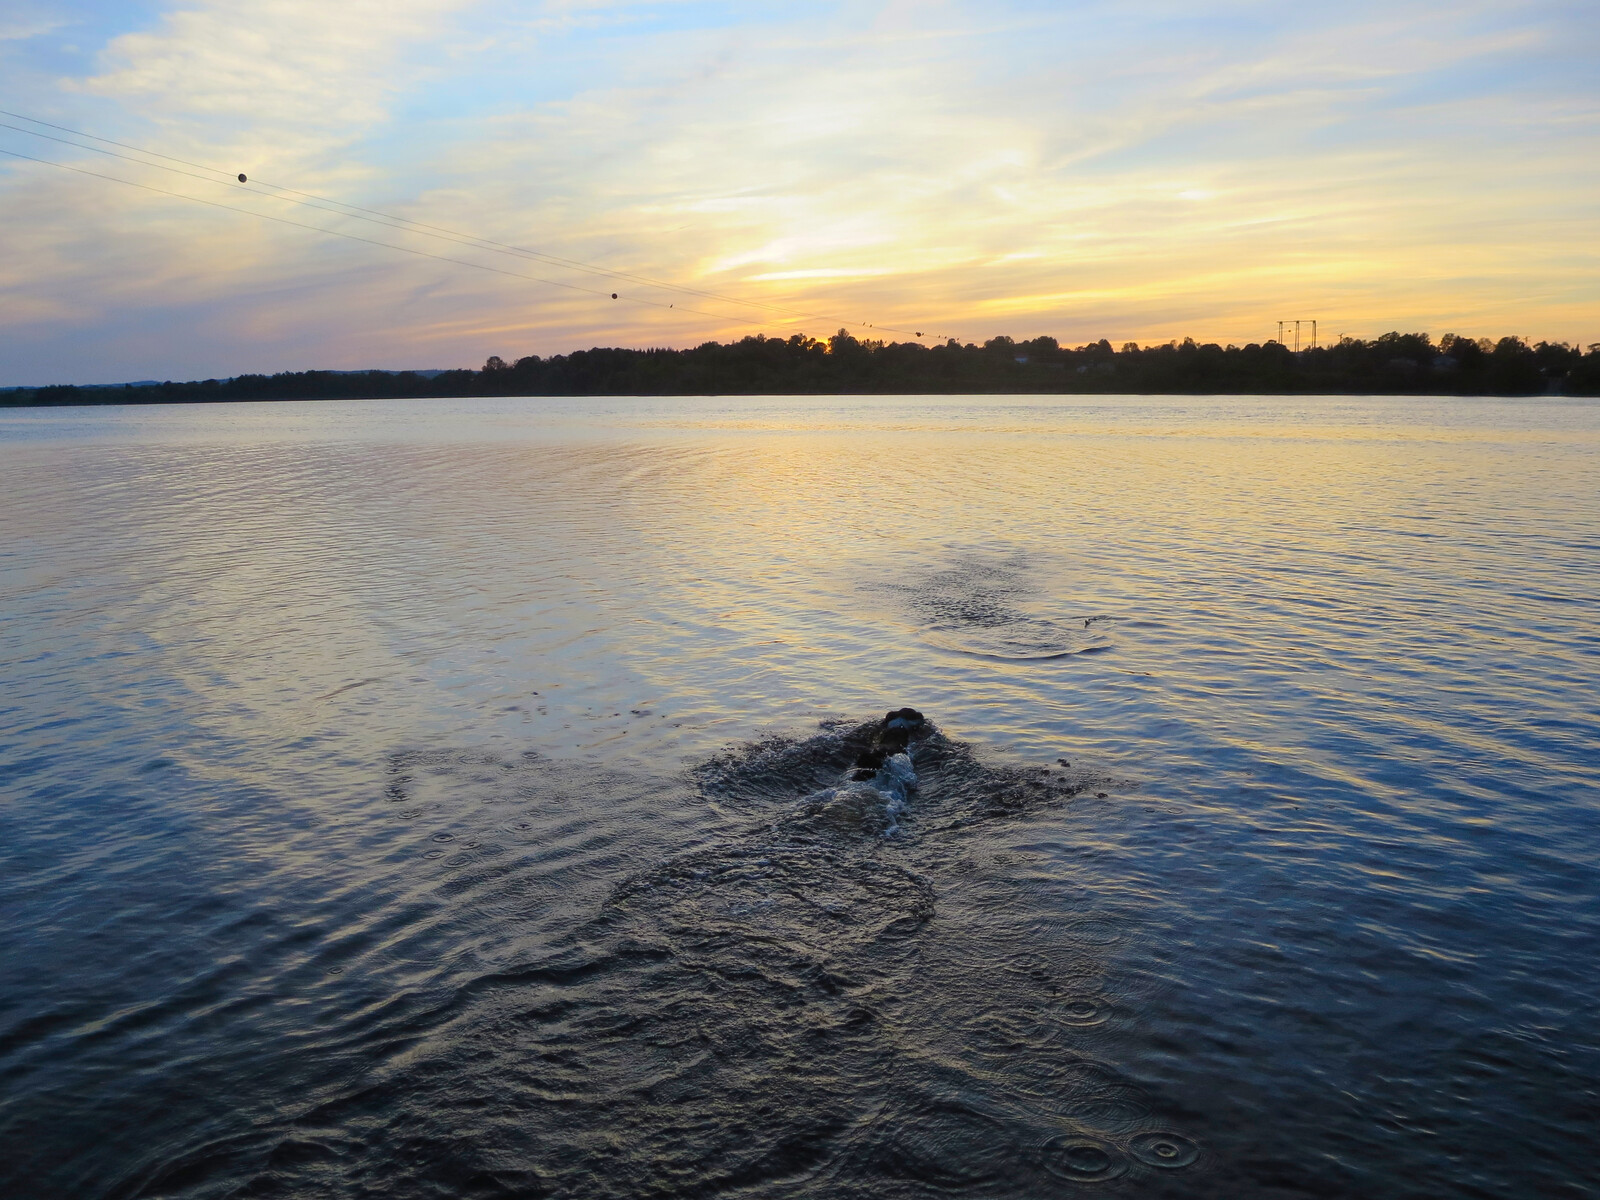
429 799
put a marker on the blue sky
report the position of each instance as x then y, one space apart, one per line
1137 171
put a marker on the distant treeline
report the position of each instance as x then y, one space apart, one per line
1394 363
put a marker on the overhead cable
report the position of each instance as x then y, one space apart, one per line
404 224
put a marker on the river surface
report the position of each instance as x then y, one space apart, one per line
441 798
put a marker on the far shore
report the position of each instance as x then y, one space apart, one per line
1394 364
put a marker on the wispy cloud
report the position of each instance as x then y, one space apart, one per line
1134 170
294 72
23 29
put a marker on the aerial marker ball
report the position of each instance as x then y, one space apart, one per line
919 333
613 295
242 178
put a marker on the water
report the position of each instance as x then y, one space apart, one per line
430 799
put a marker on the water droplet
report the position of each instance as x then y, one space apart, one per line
1166 1150
1083 1159
1083 1011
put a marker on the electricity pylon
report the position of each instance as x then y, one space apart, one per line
1307 321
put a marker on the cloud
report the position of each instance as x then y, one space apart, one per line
1134 170
22 30
297 72
885 163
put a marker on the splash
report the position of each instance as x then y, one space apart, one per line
794 1008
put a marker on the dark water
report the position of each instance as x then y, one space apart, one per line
445 799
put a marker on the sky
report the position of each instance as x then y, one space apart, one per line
1134 170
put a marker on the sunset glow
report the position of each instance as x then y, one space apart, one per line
1131 171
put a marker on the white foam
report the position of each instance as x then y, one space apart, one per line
854 804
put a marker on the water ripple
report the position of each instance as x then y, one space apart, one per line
357 761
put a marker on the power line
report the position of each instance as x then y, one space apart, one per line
464 240
358 238
404 224
398 223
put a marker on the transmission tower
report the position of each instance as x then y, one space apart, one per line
1297 324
